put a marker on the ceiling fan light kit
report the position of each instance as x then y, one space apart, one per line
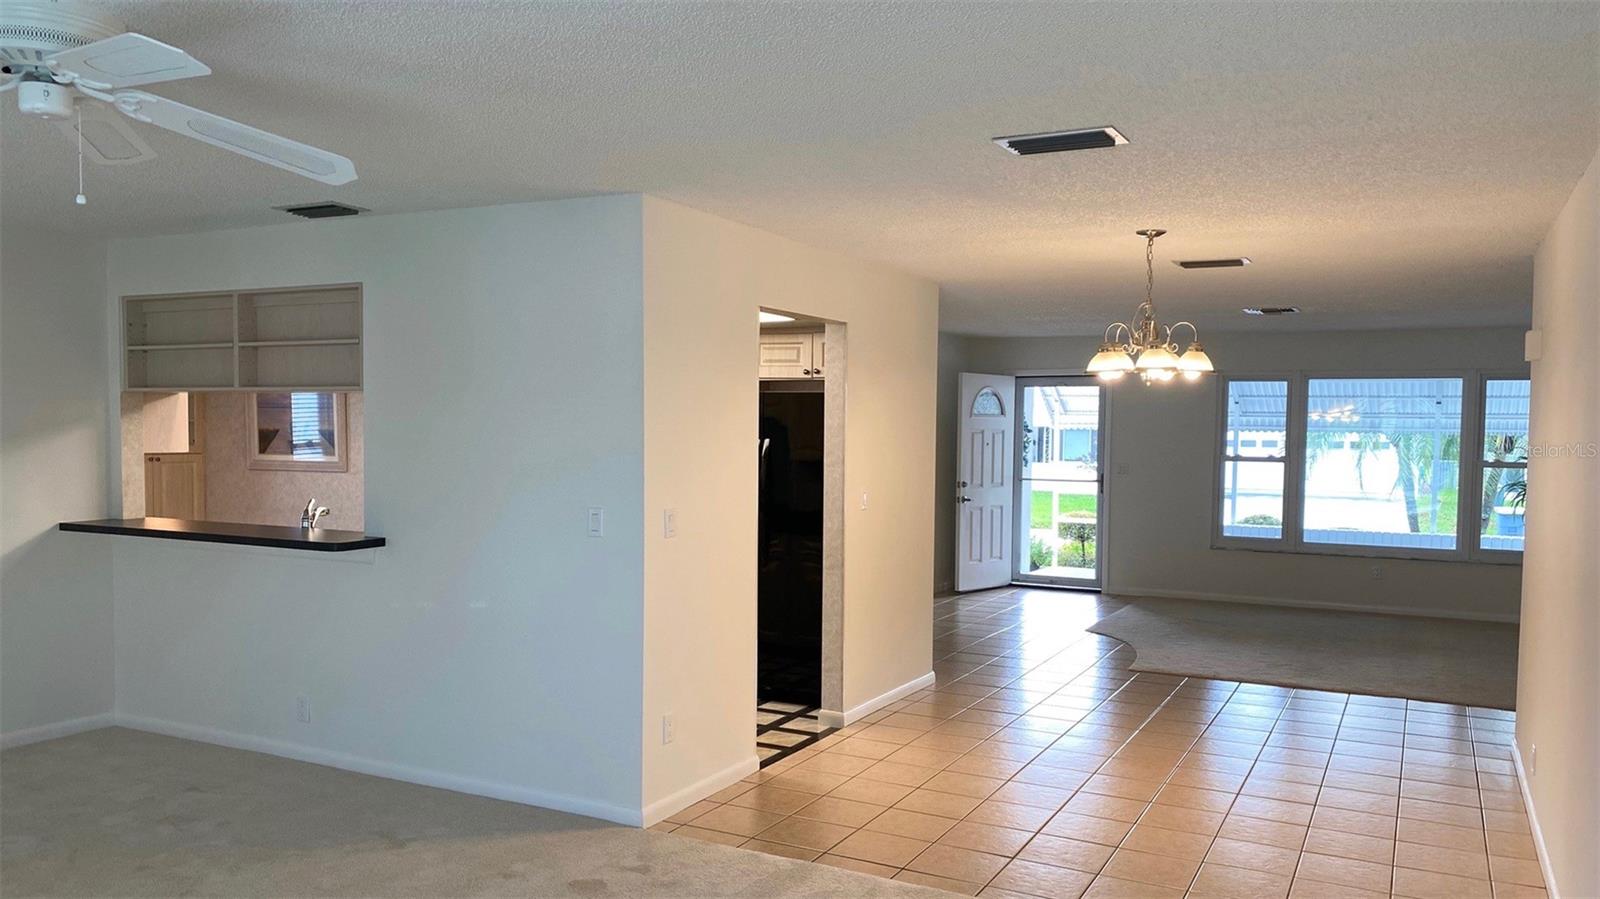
1146 346
63 64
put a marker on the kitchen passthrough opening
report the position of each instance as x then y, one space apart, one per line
244 457
244 407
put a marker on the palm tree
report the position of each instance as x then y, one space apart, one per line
1417 453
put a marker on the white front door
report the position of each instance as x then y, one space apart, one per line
983 481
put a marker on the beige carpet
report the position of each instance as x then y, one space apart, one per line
117 812
1464 662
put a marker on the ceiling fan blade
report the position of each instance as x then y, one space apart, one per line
124 61
107 138
262 146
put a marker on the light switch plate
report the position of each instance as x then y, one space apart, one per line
597 521
669 523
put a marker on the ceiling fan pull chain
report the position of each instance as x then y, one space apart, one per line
81 200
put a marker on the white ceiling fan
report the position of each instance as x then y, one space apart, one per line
58 59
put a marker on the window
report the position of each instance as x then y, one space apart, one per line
987 404
1382 462
1426 466
297 431
1503 476
1253 459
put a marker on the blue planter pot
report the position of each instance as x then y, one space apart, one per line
1508 523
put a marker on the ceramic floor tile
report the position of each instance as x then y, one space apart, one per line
876 792
1035 879
1254 856
1146 867
710 836
932 802
940 883
1350 845
1472 863
956 863
1039 765
806 833
1222 882
1413 884
1116 888
916 825
881 848
1521 871
1344 871
1009 814
1105 831
804 855
746 822
1065 852
858 865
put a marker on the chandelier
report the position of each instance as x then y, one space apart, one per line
1146 346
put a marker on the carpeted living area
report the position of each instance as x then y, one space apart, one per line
1464 662
117 812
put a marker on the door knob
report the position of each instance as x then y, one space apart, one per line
963 499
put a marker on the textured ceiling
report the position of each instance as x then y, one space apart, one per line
1385 165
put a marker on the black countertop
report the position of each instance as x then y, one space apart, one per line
316 540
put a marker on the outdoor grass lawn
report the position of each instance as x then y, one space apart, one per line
1068 502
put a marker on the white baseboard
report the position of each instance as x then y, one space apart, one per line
55 729
833 718
700 789
1312 604
361 765
1533 824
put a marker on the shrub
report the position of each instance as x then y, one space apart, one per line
1271 520
1080 532
1038 554
1076 555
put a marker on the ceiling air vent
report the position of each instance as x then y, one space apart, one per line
1061 141
322 210
1235 262
1271 310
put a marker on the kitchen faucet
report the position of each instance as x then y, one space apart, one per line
312 513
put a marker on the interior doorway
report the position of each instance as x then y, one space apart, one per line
1060 485
799 532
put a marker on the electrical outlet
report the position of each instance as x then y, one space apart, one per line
669 523
1376 572
1122 469
302 710
669 729
597 521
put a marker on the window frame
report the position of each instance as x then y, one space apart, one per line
259 462
1290 526
1469 469
1477 551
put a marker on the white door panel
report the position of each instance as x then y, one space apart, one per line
984 488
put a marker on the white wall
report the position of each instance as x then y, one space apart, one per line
1558 672
704 280
55 591
493 646
1160 509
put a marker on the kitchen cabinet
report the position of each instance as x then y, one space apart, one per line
175 485
792 355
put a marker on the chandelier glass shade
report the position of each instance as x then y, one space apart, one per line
1146 346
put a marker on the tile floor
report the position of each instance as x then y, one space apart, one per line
785 728
1039 765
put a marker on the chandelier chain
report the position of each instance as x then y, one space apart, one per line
1150 272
